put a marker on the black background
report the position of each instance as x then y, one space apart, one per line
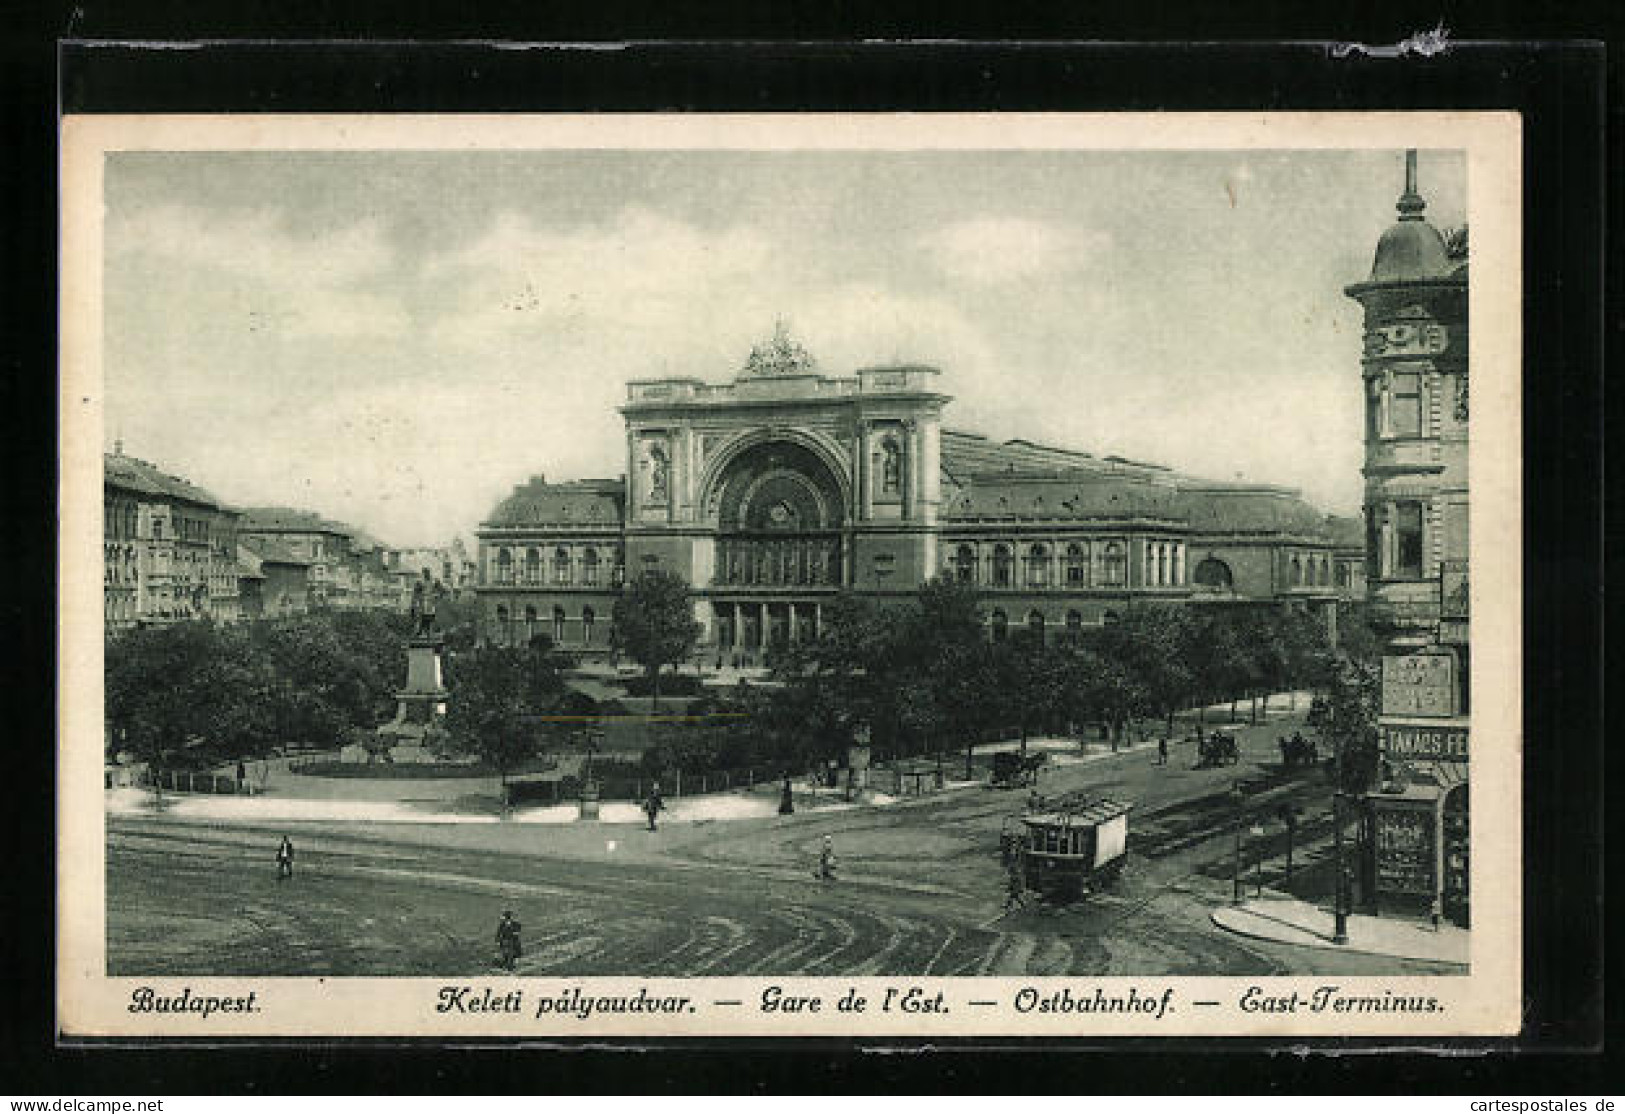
1564 93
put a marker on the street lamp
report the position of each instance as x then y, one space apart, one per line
1236 897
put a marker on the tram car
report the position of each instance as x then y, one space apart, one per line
1075 848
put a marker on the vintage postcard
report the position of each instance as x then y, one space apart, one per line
891 576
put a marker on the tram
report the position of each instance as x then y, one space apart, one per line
1075 848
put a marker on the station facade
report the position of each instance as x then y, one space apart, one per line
772 493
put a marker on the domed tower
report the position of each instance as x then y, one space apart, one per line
1415 377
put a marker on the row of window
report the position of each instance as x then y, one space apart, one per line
528 570
998 624
510 629
1311 569
1038 566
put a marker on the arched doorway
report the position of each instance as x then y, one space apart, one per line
779 518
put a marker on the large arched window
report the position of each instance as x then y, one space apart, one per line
1037 566
1001 626
1114 565
1214 574
1074 625
533 566
561 565
1325 570
530 623
1035 625
965 564
558 626
1297 572
1001 566
587 618
1077 566
504 567
589 567
502 623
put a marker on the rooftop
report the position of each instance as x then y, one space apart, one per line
292 520
133 474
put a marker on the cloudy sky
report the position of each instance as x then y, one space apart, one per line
395 339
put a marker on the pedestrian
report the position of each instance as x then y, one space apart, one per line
508 947
1015 895
826 860
284 859
653 805
1162 750
242 776
787 804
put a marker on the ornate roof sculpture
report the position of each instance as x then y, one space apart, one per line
779 356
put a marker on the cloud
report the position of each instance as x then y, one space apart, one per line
282 283
992 250
640 269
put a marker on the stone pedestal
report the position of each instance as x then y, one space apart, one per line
419 706
589 802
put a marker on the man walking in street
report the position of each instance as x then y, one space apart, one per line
653 805
284 859
1162 750
826 860
508 946
1015 896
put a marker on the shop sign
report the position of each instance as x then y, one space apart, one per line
1419 685
1410 743
1404 838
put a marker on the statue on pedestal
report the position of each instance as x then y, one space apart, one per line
425 595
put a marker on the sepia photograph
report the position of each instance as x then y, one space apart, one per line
695 576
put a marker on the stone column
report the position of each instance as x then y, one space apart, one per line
737 637
791 626
910 468
867 479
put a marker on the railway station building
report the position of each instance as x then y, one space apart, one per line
774 491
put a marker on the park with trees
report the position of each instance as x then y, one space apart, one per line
911 678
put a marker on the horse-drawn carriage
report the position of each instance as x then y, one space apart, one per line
1012 769
1072 848
1297 750
1218 749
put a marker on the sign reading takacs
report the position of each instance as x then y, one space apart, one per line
1437 744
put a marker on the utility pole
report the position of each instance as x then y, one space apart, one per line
1241 822
1340 900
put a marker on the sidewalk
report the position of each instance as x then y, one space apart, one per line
1286 920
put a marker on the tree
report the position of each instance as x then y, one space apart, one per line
186 687
655 624
1353 697
336 671
1152 643
496 694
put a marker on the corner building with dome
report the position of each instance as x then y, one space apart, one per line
774 492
